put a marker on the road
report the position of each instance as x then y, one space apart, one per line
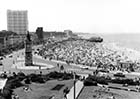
8 62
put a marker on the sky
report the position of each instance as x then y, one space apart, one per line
89 16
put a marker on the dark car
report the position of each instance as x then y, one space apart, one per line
119 75
103 70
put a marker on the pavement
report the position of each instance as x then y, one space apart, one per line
8 62
84 71
78 87
20 64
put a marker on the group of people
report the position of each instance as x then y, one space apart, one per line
84 52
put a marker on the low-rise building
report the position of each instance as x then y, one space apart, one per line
54 34
68 32
12 39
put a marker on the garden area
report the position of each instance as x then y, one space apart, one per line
96 92
101 87
34 86
106 80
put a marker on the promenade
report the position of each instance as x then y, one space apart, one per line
78 87
79 69
18 57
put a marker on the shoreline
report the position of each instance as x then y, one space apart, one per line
132 53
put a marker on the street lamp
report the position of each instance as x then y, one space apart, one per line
3 68
74 87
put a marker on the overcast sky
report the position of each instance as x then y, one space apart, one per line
93 16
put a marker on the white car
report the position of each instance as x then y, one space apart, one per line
10 56
85 67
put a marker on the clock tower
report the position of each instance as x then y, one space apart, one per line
28 50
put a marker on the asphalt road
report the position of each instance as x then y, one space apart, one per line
8 61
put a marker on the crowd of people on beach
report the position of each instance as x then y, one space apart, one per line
86 53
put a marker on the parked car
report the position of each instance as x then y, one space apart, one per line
104 70
10 56
119 75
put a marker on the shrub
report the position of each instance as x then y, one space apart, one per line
118 81
40 80
14 83
27 81
124 81
11 77
89 82
100 80
3 75
33 77
64 76
36 78
20 74
6 93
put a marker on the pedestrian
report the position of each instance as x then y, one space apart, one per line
9 72
58 65
39 67
53 97
65 96
15 96
40 72
66 91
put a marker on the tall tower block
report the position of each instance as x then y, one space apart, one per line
17 21
28 51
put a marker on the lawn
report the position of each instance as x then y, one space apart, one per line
95 92
42 91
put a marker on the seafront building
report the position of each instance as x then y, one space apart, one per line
17 21
39 33
4 37
68 32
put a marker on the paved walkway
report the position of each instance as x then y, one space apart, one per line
79 71
94 68
20 64
78 88
58 61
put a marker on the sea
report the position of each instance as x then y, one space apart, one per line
131 40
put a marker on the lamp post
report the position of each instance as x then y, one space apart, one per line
74 88
3 68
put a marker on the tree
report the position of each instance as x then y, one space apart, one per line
6 93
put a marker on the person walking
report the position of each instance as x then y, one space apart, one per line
65 96
66 91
